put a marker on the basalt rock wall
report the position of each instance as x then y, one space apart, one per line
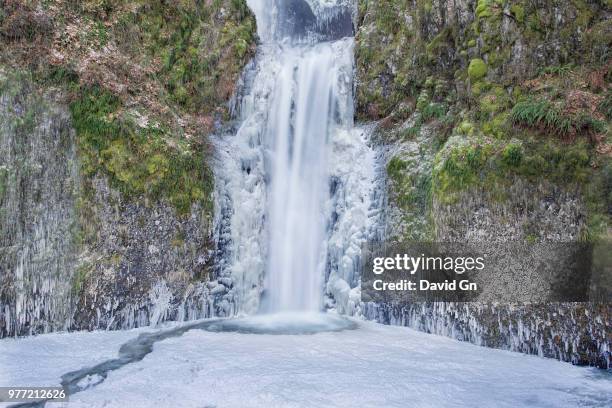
495 119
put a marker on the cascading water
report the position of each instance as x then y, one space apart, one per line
295 181
298 128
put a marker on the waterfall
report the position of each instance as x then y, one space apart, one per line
295 179
303 114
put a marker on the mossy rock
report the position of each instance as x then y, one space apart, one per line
489 164
477 69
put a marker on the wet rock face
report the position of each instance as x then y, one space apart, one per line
576 333
71 261
105 195
142 265
336 23
401 43
38 187
443 79
298 20
542 211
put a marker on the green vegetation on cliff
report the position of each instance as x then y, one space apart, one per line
145 82
543 115
516 105
199 49
138 160
108 105
492 165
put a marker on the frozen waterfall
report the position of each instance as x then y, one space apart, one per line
295 181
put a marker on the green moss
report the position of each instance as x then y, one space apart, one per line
461 168
465 128
483 8
480 88
477 69
491 165
411 192
498 126
416 193
493 102
423 99
138 161
518 12
440 43
492 113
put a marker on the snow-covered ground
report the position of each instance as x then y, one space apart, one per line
39 361
373 366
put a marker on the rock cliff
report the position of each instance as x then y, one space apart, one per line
495 116
105 183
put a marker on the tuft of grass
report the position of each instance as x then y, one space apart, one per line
411 132
605 106
512 155
395 168
433 110
547 117
559 70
